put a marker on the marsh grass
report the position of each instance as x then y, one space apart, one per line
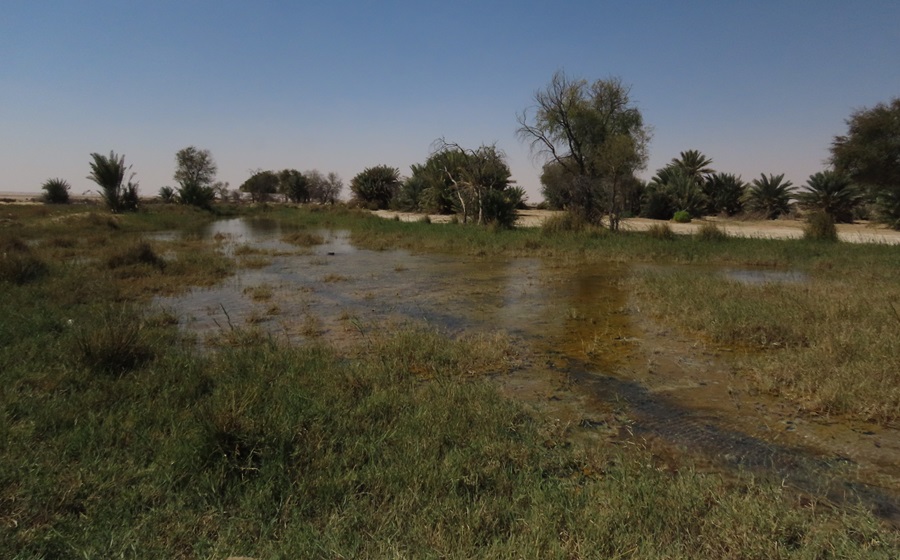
400 447
303 238
18 262
113 341
141 253
828 344
661 231
262 292
275 451
709 231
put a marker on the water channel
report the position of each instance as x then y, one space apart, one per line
595 364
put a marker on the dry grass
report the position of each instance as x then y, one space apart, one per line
830 344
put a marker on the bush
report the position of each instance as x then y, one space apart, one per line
196 194
661 231
820 227
56 191
682 217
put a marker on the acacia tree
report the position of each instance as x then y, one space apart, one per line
293 185
195 173
869 154
324 189
595 135
260 185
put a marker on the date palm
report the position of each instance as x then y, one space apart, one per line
724 192
56 191
832 193
693 164
770 196
109 174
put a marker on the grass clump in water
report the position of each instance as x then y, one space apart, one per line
141 253
303 238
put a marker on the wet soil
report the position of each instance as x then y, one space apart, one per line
594 363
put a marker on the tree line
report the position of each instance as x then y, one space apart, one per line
592 141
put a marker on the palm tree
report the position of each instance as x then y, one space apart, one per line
724 192
686 194
693 164
56 191
109 174
832 193
771 196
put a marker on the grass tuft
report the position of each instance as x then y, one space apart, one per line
140 253
661 231
303 239
18 262
709 231
113 341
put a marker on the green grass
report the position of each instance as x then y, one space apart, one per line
400 447
830 344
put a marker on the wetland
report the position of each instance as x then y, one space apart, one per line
325 383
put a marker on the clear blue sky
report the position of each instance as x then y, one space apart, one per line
761 87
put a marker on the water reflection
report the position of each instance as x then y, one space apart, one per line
572 312
754 277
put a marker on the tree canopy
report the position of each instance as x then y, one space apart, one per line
596 137
375 186
195 173
869 155
476 180
260 185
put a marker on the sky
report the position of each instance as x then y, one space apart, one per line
760 87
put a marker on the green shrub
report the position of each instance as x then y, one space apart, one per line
56 191
682 217
661 231
820 227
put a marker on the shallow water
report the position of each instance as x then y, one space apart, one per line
597 366
757 276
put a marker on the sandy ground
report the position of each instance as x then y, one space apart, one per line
860 232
